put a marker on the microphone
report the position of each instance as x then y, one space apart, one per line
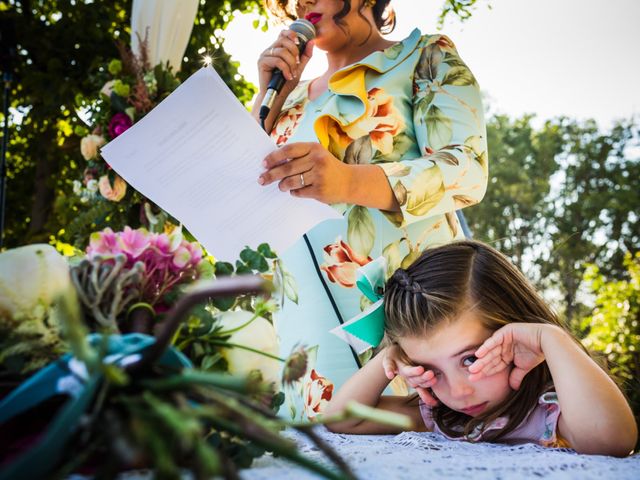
305 31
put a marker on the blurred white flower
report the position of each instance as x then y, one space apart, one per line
258 335
92 185
31 277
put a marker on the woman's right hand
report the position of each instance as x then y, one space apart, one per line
395 363
284 55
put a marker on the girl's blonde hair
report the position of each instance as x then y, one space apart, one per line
441 284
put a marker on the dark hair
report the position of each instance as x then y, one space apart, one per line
383 14
441 284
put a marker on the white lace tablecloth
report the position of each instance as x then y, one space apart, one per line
429 455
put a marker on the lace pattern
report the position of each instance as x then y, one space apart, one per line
430 455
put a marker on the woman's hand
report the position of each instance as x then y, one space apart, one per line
308 170
284 55
395 363
516 344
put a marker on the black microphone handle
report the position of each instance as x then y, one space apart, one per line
305 31
277 80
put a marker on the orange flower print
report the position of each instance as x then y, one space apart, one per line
287 124
317 394
342 263
381 121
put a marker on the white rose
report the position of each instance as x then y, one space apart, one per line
31 277
258 335
89 146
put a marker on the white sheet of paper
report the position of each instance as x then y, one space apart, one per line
198 155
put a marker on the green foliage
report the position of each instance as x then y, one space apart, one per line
614 326
64 46
463 9
521 161
560 197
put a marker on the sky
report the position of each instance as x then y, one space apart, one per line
575 58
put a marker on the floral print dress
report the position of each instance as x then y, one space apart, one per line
415 110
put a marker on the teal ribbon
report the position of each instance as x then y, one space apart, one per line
41 458
366 329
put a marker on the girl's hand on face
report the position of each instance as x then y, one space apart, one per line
307 170
284 55
515 344
394 363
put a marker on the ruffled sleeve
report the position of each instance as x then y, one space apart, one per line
450 131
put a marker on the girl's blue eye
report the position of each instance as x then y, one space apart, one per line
467 361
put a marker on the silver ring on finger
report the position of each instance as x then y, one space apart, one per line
271 51
302 180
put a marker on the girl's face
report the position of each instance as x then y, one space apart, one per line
448 351
329 35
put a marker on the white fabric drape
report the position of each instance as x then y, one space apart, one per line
167 24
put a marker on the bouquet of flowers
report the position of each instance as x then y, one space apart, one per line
131 88
160 396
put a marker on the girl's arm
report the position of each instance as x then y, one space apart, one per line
366 387
596 417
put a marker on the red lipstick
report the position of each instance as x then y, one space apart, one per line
313 17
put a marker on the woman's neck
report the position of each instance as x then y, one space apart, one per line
354 52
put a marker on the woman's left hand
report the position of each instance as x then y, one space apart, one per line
307 170
515 344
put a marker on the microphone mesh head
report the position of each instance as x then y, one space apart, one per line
304 28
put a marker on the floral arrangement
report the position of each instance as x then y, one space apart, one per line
131 87
202 397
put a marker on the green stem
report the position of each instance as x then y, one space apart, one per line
222 343
233 330
190 377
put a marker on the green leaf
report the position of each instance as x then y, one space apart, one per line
452 221
425 192
400 192
439 128
410 258
444 157
393 51
223 268
429 62
290 287
422 106
265 250
254 260
393 256
401 144
361 230
395 169
459 77
359 152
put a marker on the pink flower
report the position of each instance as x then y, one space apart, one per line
118 124
317 394
342 263
114 193
103 243
133 243
181 258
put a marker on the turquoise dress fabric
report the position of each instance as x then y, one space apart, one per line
415 110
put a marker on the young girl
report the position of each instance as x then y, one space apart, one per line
489 360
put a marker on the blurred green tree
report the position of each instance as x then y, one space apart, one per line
61 45
614 326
